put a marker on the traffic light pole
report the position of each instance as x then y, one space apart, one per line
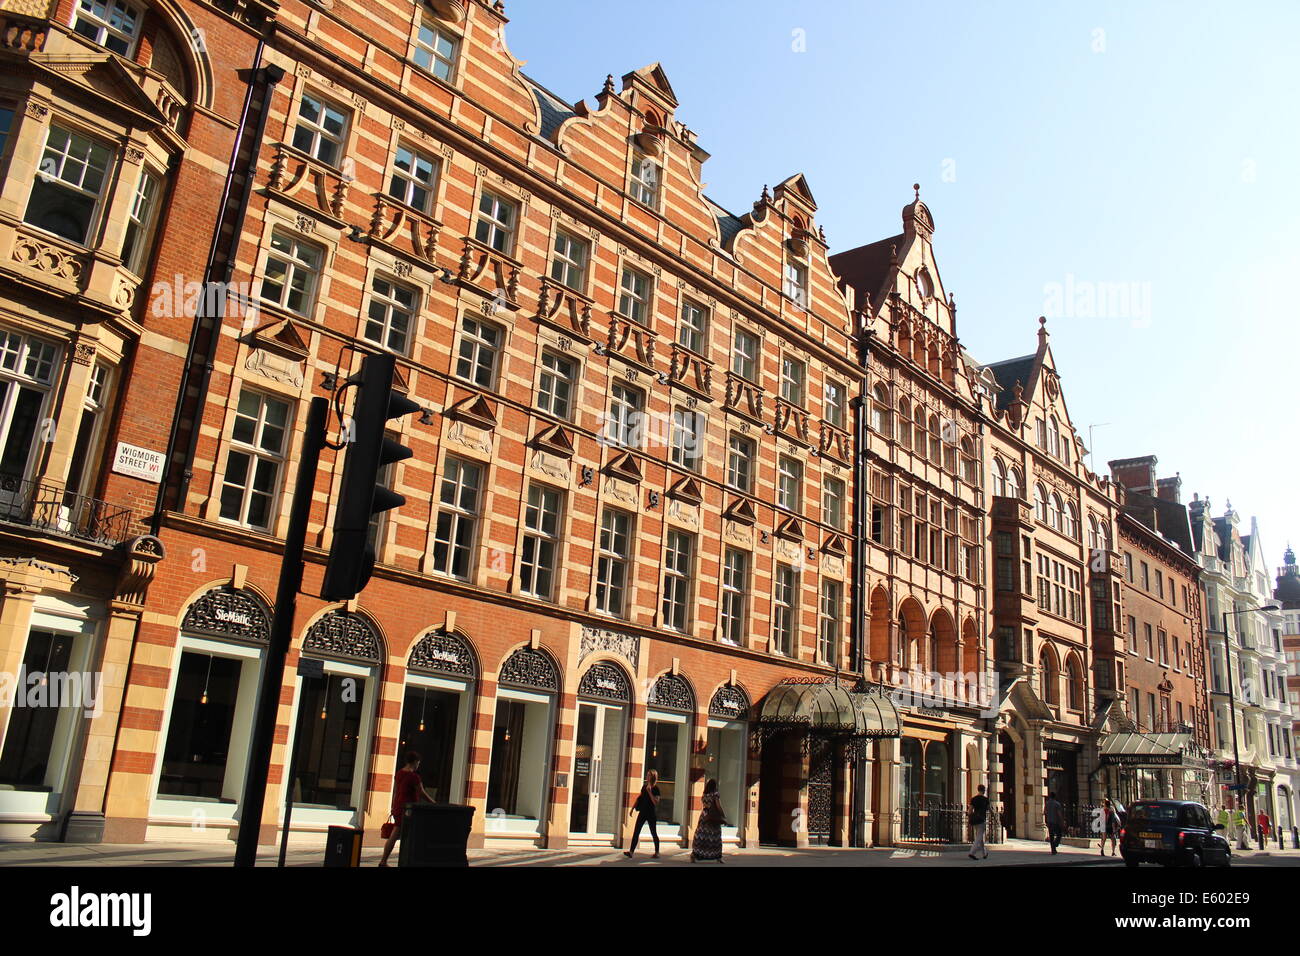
286 600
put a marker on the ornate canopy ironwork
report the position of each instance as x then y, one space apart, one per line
529 668
729 703
229 613
672 692
345 636
824 708
606 681
443 652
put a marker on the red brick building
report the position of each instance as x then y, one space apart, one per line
629 511
1164 672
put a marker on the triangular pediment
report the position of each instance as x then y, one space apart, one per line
105 77
554 440
834 544
797 187
657 80
791 528
741 511
686 489
282 338
626 467
474 409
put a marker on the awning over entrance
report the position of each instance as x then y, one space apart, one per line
827 708
878 716
1149 750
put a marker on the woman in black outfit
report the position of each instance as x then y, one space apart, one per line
644 808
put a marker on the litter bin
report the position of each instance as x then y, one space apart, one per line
343 847
435 834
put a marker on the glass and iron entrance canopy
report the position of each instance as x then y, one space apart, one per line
825 708
1149 750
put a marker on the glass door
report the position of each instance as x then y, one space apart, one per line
597 762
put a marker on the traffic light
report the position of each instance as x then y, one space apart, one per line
352 558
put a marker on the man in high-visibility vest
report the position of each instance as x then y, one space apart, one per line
1239 824
1224 819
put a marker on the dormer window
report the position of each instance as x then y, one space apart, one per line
796 283
69 185
645 180
112 24
436 50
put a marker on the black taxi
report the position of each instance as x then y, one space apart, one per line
1172 833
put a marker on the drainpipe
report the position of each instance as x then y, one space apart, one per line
857 607
208 301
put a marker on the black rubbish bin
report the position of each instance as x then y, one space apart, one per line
343 847
435 834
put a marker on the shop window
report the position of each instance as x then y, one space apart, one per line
204 708
29 759
328 741
430 724
665 743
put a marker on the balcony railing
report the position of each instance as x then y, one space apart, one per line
44 506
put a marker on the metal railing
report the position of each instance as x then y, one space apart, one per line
47 507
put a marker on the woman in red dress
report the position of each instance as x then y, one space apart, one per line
407 788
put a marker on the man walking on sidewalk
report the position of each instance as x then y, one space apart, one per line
1054 817
979 824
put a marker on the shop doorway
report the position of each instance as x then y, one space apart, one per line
597 770
1009 796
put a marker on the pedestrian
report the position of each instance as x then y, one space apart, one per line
646 808
1109 827
1265 825
1224 820
1054 817
1239 826
707 844
979 824
407 788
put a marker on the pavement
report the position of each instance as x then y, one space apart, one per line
1010 853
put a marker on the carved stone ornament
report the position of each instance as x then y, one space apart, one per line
529 668
228 613
442 653
606 681
345 636
729 703
627 646
672 692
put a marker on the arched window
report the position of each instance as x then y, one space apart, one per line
1074 683
1071 521
1048 676
1014 484
999 479
881 420
1053 438
935 443
1054 512
1040 504
969 463
918 430
904 429
1103 535
1092 532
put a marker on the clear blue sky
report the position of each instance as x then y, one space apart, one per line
1153 145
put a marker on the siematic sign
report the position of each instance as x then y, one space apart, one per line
138 462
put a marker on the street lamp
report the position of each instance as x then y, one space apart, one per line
1232 700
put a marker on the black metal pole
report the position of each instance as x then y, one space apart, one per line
288 795
286 600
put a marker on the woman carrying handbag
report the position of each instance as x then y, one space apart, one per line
707 844
407 788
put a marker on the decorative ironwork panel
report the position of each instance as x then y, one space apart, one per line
596 639
821 777
671 692
606 682
729 703
343 635
443 653
226 612
529 668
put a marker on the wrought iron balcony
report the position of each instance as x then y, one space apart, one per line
47 507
